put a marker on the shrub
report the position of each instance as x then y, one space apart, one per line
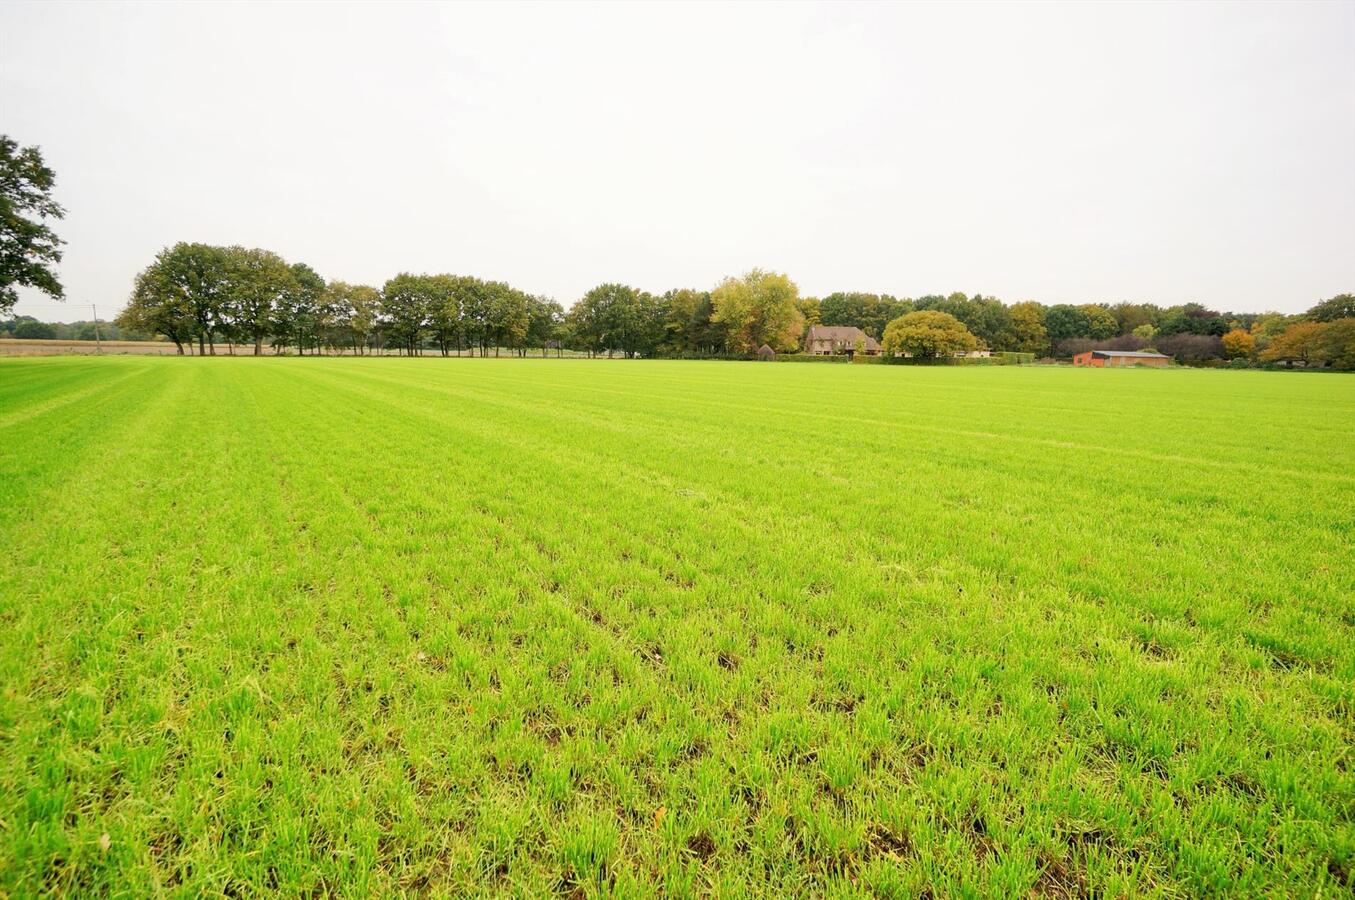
810 358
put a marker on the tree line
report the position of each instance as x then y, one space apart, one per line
201 294
208 295
30 328
1191 333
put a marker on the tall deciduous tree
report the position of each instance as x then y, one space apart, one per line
509 316
444 311
300 308
756 309
1027 322
1302 342
1131 316
543 325
1063 322
29 248
1101 322
1342 306
811 308
985 317
405 302
1238 344
355 308
1339 343
869 312
201 274
159 305
687 326
190 280
616 317
259 280
476 298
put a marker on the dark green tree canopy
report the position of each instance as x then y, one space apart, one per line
1342 306
869 312
29 248
615 317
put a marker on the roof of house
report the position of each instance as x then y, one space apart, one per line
1143 354
848 334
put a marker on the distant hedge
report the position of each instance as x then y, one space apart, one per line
809 358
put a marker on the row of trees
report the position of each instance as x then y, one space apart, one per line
458 311
1192 333
1034 327
203 294
736 318
741 314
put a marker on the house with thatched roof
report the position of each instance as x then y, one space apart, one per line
830 340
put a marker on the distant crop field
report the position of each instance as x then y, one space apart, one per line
358 627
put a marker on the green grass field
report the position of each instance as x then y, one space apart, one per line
359 627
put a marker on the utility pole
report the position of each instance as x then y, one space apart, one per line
98 343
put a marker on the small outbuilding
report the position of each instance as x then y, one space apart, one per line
765 353
1103 358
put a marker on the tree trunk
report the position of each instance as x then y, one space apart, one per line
258 345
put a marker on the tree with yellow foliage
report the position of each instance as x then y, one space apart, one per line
1238 344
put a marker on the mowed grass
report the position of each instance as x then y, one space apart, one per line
357 627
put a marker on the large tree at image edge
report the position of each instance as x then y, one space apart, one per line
29 248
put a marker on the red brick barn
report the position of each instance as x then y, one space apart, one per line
1102 358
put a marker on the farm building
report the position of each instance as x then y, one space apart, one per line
1101 358
827 340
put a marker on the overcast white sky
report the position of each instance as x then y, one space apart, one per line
1060 152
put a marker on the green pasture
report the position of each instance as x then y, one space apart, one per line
357 627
